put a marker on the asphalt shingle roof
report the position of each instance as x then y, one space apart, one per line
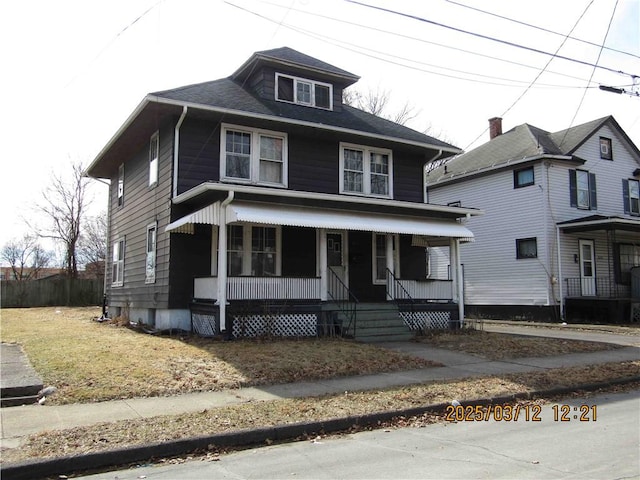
522 142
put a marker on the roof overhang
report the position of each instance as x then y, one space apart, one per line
432 232
589 224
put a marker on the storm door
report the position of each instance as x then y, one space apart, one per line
587 268
337 263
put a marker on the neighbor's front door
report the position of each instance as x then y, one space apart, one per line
587 268
336 261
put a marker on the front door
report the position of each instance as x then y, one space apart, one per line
587 268
337 263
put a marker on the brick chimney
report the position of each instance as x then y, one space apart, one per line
495 127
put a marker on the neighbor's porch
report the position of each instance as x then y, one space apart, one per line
601 269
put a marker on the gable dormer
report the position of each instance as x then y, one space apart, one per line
288 76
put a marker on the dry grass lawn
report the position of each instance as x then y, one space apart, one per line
89 361
111 435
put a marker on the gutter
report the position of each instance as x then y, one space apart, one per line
274 118
176 148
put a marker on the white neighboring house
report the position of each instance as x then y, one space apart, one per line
561 231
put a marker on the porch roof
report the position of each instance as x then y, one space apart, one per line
599 222
432 232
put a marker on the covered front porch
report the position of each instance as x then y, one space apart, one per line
600 270
292 270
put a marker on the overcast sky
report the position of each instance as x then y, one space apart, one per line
73 70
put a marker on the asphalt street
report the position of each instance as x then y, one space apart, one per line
605 444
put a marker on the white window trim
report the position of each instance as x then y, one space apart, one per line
246 247
578 190
119 263
154 162
313 84
254 170
629 182
150 276
366 181
396 258
120 185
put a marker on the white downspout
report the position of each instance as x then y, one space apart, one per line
560 274
222 261
176 148
424 175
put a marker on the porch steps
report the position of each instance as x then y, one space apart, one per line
378 322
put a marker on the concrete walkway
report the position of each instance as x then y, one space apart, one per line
17 422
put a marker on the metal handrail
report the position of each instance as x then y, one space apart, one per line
347 305
393 282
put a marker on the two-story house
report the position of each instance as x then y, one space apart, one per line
260 202
561 230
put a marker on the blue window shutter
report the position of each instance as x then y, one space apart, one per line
573 190
593 200
625 195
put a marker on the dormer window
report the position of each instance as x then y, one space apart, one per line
303 92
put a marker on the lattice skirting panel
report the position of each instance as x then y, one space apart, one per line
204 324
635 312
277 325
438 320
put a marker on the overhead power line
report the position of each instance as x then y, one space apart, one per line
542 29
486 37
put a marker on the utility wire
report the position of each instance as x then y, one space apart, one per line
541 71
486 37
542 29
584 94
394 59
409 37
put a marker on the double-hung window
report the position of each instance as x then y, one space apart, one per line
631 196
253 251
117 263
150 268
253 156
154 146
304 92
582 189
366 171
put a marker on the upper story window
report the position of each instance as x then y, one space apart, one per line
605 148
121 185
304 92
253 156
154 145
366 171
631 195
523 177
582 189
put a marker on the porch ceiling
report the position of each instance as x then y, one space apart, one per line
433 231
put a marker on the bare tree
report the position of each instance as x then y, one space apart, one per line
64 204
376 102
92 245
26 258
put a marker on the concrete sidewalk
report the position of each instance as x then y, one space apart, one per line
17 422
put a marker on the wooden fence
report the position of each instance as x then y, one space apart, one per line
51 292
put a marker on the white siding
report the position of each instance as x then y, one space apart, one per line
493 275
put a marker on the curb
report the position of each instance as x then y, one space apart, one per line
29 470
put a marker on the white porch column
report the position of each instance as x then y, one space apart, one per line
390 265
214 250
456 274
222 262
322 260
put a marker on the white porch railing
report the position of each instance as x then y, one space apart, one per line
428 289
259 288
